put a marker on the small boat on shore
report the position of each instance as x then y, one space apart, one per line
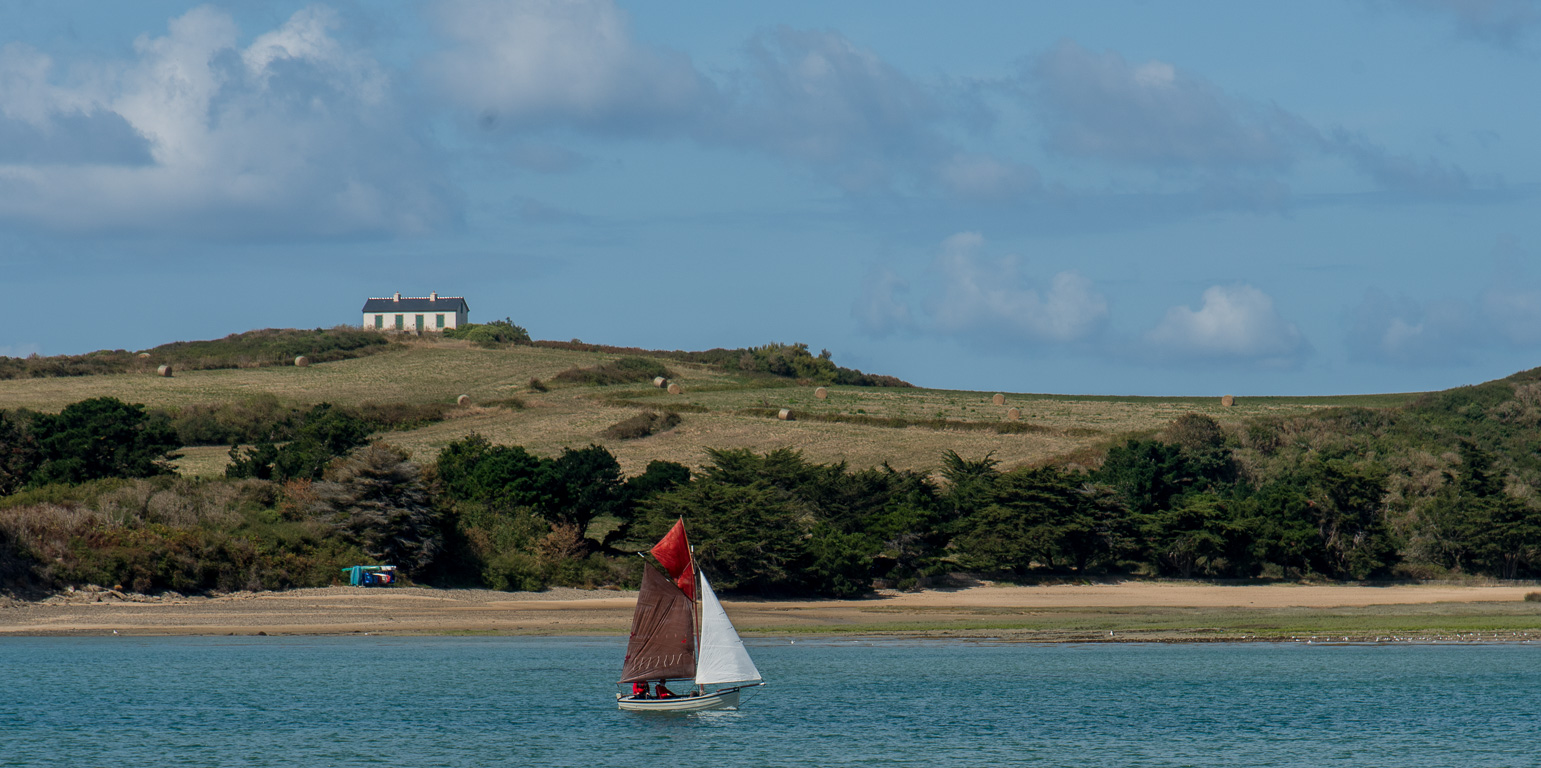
680 632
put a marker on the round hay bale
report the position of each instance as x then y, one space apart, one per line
786 415
1228 401
164 370
675 389
660 382
821 393
144 355
998 399
302 362
463 400
1015 414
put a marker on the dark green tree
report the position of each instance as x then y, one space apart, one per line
659 476
970 484
101 437
750 539
324 433
19 455
840 564
507 476
582 484
1348 503
1148 474
1191 536
1029 519
1282 527
379 500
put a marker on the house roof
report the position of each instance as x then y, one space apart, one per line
420 304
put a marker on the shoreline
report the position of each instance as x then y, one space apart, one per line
1136 612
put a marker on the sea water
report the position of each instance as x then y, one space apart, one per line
408 701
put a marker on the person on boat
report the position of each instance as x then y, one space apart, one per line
639 690
664 693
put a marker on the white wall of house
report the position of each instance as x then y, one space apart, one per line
409 320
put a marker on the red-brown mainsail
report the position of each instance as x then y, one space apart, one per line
663 632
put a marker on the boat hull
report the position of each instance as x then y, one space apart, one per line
723 699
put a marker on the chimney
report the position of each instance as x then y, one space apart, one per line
433 296
397 297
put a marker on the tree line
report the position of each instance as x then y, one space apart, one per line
1445 486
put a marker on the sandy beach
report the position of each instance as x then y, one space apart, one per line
1130 611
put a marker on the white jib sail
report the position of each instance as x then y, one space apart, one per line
721 657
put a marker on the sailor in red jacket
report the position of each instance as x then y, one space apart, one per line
639 690
664 693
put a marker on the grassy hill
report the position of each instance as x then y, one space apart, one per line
909 428
580 460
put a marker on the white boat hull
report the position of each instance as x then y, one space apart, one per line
723 699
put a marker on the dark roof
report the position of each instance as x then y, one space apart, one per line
423 304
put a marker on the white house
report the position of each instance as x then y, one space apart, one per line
435 313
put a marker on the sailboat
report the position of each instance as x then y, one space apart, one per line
680 632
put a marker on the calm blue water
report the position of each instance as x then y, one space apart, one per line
549 701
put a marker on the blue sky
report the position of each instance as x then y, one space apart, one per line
1103 198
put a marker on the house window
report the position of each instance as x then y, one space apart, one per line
379 321
399 324
439 321
417 322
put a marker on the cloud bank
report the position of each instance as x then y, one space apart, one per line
295 134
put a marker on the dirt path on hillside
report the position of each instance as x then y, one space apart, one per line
345 610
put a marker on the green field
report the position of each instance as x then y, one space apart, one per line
907 428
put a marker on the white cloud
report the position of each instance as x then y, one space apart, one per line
1235 322
990 297
542 63
811 97
295 134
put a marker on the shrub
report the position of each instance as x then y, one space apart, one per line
1533 597
784 360
262 419
495 333
167 533
642 425
623 371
